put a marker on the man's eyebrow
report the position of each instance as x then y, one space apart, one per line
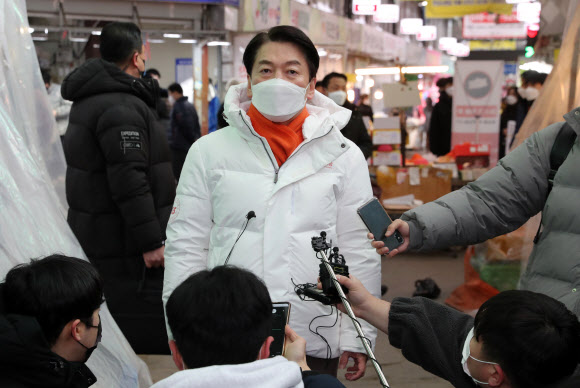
291 62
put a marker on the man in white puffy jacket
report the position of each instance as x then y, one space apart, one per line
288 163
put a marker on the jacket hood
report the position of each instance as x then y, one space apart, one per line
97 76
272 372
321 108
25 356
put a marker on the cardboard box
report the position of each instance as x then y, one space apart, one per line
395 182
392 158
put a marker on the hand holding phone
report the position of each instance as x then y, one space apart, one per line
377 221
280 317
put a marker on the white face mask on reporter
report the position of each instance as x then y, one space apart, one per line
339 97
278 100
466 354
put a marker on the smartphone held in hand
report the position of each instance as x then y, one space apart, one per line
377 221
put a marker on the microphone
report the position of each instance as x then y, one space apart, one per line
251 214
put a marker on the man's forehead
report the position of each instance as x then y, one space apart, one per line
280 53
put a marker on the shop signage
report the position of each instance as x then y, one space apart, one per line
261 14
427 33
476 103
410 26
487 26
365 7
438 9
493 45
459 50
387 13
300 16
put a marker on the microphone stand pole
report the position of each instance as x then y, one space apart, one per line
357 325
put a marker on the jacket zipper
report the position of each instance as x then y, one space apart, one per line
276 170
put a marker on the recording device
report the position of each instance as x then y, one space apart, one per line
280 317
251 214
377 221
328 295
321 247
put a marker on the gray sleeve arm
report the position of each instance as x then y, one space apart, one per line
497 203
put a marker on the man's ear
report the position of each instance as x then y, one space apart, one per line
265 349
497 376
249 86
135 59
76 329
177 358
311 89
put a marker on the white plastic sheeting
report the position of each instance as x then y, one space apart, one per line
32 201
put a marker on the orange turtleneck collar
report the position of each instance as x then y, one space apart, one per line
283 139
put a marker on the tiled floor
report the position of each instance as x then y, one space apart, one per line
399 274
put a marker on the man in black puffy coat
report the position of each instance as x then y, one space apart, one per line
119 184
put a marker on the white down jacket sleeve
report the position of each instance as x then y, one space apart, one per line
362 260
497 203
189 226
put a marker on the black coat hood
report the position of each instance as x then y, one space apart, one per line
97 76
26 359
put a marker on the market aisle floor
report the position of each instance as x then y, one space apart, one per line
399 273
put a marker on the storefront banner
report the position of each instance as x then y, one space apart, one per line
261 14
493 45
476 103
355 36
441 9
300 16
486 26
326 28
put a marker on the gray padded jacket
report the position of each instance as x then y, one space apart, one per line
504 199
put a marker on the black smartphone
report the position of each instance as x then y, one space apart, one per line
280 316
377 221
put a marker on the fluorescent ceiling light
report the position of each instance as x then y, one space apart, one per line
334 56
155 41
541 67
190 41
174 36
218 43
423 4
78 40
446 42
96 33
40 38
30 30
322 52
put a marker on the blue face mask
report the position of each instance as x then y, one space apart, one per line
466 355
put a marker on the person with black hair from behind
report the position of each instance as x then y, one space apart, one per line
119 181
334 86
221 321
518 339
49 323
185 128
439 134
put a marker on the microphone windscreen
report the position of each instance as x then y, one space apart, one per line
251 214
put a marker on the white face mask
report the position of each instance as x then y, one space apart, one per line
522 92
466 355
278 100
339 97
532 93
511 100
449 91
171 99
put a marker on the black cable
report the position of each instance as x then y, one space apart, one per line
315 331
235 242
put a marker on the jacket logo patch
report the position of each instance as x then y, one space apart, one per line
329 165
175 210
131 145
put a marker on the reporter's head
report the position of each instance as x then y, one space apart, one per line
218 317
533 337
64 295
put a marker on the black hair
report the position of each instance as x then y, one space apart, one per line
220 316
287 34
45 75
443 82
149 72
55 290
539 78
533 337
175 87
528 75
318 83
328 77
119 41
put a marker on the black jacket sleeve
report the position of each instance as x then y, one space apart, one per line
313 379
356 131
431 335
123 136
